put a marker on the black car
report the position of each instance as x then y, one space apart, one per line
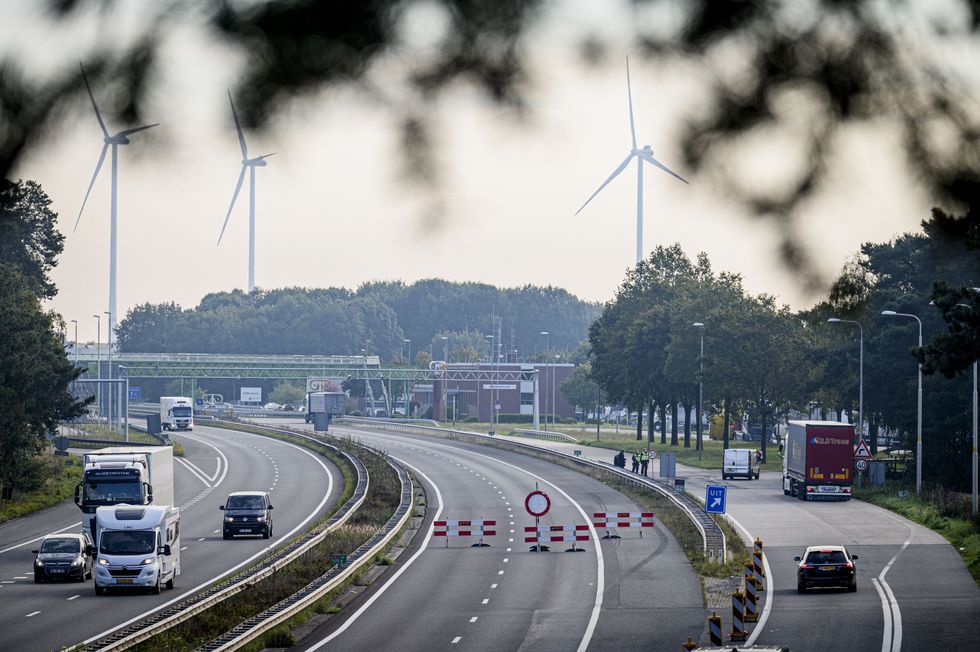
62 556
247 512
822 566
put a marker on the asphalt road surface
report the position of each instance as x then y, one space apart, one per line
303 486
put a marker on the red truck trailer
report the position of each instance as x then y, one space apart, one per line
818 460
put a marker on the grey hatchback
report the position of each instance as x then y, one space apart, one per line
62 557
247 512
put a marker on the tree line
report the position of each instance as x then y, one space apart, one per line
765 359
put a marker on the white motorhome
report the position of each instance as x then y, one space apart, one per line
176 413
136 547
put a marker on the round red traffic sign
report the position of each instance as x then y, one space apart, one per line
537 503
862 465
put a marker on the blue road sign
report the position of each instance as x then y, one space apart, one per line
715 499
135 393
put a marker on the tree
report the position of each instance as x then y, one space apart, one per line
580 389
28 238
288 392
34 378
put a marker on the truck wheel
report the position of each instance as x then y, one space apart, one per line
99 590
266 533
787 492
156 587
37 580
800 588
170 583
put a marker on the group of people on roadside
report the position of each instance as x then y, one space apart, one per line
640 461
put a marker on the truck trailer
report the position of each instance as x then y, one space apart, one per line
129 475
818 460
329 403
176 413
136 547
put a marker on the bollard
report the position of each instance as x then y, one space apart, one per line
738 618
749 572
714 629
689 644
758 548
751 600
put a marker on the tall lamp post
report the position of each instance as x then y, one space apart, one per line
109 340
554 403
700 445
98 360
75 347
836 320
492 382
918 428
547 347
409 342
445 365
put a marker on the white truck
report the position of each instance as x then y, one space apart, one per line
129 475
176 413
136 547
739 463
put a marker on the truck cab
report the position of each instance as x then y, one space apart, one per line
176 413
739 463
136 547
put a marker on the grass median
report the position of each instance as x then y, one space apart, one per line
60 473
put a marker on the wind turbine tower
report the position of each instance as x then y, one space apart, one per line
120 138
250 164
642 155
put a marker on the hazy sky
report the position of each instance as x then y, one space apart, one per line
332 209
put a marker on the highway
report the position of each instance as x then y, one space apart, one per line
627 594
217 462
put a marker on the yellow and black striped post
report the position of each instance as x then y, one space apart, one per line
714 629
738 618
689 644
751 600
757 569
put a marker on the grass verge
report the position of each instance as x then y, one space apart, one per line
944 512
61 475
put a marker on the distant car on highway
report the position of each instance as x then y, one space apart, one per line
823 566
288 407
247 512
62 557
271 406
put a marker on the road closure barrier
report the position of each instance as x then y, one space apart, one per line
751 600
550 533
738 618
471 528
616 520
714 629
758 568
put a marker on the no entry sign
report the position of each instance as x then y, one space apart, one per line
537 503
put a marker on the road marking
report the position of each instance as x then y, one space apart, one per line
216 531
764 616
21 545
231 570
891 638
33 613
493 586
886 637
473 619
486 600
500 572
201 539
506 560
7 582
508 549
20 577
380 591
457 639
73 597
184 548
196 471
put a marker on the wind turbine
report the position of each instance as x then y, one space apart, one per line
249 164
644 154
120 138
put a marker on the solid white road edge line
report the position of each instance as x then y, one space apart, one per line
207 479
21 545
764 616
377 594
896 613
224 469
282 539
886 638
194 471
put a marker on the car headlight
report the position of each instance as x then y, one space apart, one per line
229 519
38 563
103 562
76 562
260 519
148 561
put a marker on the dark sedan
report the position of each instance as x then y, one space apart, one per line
62 556
826 566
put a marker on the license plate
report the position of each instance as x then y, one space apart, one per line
245 529
830 490
828 568
57 570
124 580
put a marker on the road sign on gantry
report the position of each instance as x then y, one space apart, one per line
715 499
537 503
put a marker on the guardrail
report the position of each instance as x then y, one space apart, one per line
712 536
273 616
545 434
125 638
428 422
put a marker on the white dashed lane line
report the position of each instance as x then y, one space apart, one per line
473 619
73 597
457 639
33 613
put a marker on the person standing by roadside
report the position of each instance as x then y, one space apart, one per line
644 461
636 463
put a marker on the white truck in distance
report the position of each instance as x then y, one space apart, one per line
176 413
136 546
129 475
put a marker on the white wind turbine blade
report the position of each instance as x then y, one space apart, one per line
238 187
629 95
238 127
98 166
94 106
622 166
646 156
127 132
265 156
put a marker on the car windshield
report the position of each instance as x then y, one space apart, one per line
110 493
826 557
245 502
119 542
60 545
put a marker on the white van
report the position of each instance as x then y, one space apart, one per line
136 546
739 463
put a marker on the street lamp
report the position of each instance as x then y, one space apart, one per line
918 430
409 342
109 338
98 358
836 320
75 347
554 403
493 382
445 364
547 347
698 325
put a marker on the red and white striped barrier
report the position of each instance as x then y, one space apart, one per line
609 520
546 533
457 528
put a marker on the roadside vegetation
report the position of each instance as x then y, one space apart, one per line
944 512
60 475
383 497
